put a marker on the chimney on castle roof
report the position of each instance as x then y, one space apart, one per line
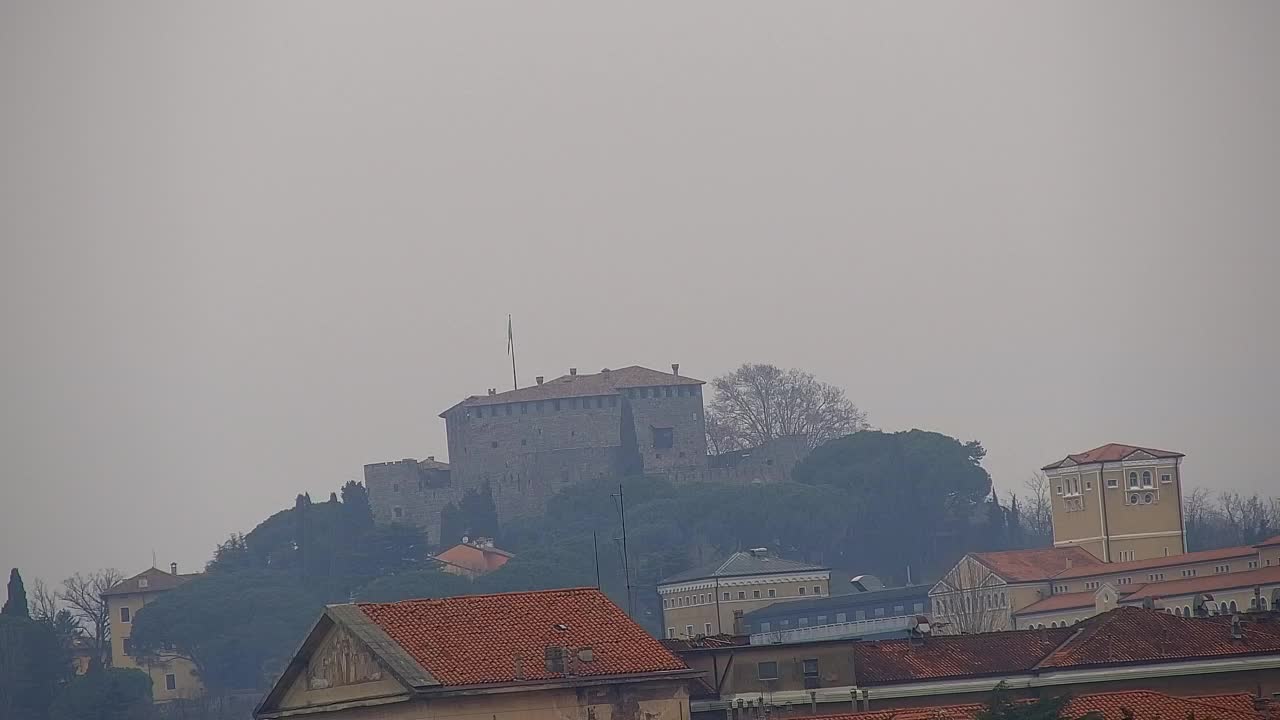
173 568
675 368
604 371
573 372
540 379
432 458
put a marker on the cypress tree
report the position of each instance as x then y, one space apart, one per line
17 603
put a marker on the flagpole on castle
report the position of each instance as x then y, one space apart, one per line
511 350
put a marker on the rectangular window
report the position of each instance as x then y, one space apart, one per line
688 630
124 614
668 391
1253 564
1088 485
1059 489
755 594
170 682
1165 479
822 619
397 513
742 595
1112 482
802 589
671 633
817 589
803 622
784 623
773 593
1189 572
126 646
706 629
663 438
898 610
767 670
764 627
1222 569
917 608
840 617
879 612
859 614
725 596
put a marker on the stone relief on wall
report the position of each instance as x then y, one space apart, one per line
341 660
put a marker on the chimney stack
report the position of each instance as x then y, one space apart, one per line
573 372
540 379
432 458
493 391
675 368
173 568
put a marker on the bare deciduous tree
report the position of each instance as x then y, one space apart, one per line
1035 511
758 403
44 601
83 593
970 599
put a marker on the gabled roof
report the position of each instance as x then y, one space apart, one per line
742 564
1150 564
157 580
1129 635
605 382
911 660
1038 564
1141 704
1207 583
1111 452
1061 601
502 638
1269 542
474 557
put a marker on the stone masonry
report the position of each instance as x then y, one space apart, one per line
528 443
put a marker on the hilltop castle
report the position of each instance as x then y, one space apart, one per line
526 444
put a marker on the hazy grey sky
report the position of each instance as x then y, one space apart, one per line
248 248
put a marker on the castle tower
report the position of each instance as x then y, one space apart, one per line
1119 502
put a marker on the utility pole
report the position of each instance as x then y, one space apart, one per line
626 562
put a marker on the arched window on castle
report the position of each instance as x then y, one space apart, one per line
1133 479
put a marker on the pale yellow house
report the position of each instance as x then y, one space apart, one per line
1117 527
172 679
1120 502
707 600
545 655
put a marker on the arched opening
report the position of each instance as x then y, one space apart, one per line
1146 478
1233 606
1133 479
1186 611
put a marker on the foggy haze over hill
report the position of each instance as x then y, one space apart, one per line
250 248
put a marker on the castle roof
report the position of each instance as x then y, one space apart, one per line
605 382
1199 556
1111 452
743 563
1036 564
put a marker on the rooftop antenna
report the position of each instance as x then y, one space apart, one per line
595 546
626 566
511 350
153 557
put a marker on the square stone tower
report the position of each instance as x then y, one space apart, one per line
1119 502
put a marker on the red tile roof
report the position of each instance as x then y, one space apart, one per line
475 559
156 580
1142 704
1133 635
1111 452
1040 564
1172 560
899 661
1269 542
484 639
1061 601
1207 583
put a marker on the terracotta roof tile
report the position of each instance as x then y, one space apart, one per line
483 639
157 580
1269 542
1143 704
1060 601
1208 583
1040 564
1132 635
895 661
1172 560
744 563
1111 452
582 385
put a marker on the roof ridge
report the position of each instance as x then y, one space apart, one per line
406 601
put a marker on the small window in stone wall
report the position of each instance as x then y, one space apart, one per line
767 670
397 512
663 438
668 392
493 443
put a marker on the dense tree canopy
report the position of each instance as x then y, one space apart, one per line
108 694
15 603
238 629
32 666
